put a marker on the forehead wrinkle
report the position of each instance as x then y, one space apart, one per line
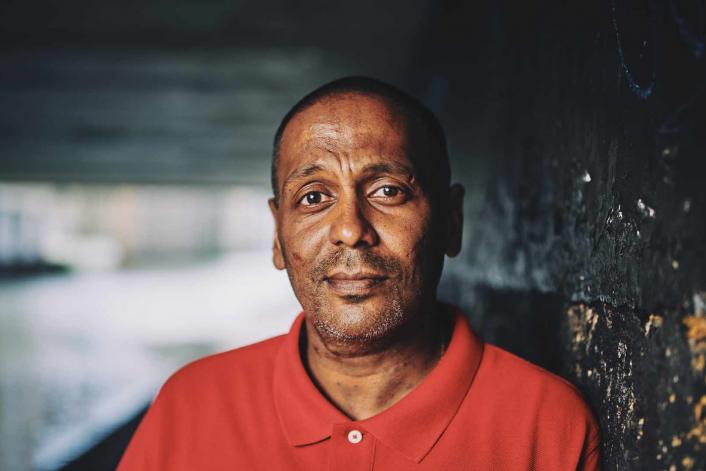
368 159
329 131
326 131
351 156
337 139
351 118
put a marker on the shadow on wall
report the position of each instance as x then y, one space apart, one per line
499 314
107 453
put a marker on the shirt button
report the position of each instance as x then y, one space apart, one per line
354 436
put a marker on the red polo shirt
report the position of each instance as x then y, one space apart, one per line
255 408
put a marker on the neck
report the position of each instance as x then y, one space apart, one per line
363 382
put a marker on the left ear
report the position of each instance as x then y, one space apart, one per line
454 219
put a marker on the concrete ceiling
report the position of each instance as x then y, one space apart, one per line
176 92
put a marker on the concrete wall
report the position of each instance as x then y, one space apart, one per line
583 130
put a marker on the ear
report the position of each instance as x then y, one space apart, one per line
277 256
454 219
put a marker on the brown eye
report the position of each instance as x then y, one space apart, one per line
312 198
388 191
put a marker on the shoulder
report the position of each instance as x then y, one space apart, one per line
198 400
231 370
533 391
539 410
510 371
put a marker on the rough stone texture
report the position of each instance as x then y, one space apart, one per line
587 253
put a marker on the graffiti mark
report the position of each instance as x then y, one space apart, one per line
642 91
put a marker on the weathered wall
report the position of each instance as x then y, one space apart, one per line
586 250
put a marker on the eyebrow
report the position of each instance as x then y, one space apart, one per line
303 172
388 167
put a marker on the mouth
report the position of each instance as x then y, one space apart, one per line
354 284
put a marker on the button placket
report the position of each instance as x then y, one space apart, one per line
351 448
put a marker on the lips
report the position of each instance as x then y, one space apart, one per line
354 283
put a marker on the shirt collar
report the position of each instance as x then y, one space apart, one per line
411 426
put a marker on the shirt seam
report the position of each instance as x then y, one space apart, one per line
372 454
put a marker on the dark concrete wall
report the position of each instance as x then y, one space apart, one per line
587 251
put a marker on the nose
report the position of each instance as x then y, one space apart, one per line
349 225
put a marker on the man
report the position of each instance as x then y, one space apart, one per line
375 374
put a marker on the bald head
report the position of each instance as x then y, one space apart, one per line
424 137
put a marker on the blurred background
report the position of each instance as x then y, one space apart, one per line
135 142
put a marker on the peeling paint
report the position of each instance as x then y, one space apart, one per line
583 323
611 368
696 339
696 333
698 432
654 321
666 344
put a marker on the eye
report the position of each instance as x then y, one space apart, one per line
313 198
389 192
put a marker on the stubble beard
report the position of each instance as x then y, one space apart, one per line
350 322
355 324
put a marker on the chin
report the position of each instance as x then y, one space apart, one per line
358 320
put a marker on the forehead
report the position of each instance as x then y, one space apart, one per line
357 127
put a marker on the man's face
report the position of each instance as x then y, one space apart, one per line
358 235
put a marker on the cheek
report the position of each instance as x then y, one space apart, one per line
406 240
295 257
302 246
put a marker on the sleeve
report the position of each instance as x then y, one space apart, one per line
591 455
144 451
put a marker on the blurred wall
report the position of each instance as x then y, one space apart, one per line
106 226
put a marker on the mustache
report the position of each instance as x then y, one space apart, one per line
355 261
